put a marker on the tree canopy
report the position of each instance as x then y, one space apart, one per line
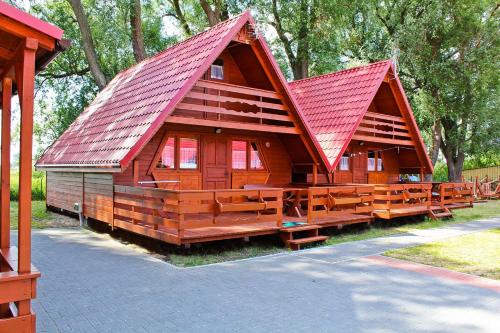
446 51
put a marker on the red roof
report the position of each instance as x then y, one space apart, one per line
134 105
30 21
334 105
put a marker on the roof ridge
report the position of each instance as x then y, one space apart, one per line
340 71
157 55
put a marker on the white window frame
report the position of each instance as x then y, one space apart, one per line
217 72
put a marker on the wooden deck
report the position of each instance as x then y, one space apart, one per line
186 217
398 200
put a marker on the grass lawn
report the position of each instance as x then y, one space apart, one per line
397 226
477 253
41 218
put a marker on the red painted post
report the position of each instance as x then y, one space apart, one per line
25 77
5 164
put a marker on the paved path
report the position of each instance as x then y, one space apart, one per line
92 283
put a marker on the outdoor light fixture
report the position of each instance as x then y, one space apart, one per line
361 143
218 130
268 144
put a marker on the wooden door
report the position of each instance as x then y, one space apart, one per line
216 163
359 166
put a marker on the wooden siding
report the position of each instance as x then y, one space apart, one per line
64 189
98 196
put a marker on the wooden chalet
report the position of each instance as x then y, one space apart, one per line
200 142
27 45
364 124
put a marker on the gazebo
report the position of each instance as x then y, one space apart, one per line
27 45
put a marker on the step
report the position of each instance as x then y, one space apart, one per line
294 244
443 215
300 228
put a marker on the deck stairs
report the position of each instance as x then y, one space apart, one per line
295 237
440 213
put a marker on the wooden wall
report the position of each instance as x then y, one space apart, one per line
274 154
94 191
98 196
64 189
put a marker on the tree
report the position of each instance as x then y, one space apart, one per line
88 44
216 12
136 30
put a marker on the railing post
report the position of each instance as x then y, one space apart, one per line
279 211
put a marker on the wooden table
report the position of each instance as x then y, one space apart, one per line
295 196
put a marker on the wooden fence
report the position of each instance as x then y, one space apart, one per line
455 194
324 202
400 198
175 211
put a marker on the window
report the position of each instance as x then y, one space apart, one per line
375 161
167 159
255 160
179 152
188 153
344 162
239 155
246 156
217 70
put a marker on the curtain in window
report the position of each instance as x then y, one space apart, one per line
239 155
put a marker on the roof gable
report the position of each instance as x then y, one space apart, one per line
335 104
128 112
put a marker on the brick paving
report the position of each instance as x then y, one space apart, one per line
92 283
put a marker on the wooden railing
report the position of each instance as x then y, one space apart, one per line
330 201
16 292
455 193
383 128
226 105
401 196
186 209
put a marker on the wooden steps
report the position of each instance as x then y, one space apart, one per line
440 213
294 244
294 237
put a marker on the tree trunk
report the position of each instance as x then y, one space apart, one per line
454 161
436 141
216 15
88 44
136 30
179 15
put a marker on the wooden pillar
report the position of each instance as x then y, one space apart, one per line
315 174
136 172
25 78
5 164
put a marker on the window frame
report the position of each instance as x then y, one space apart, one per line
377 157
219 63
249 155
177 152
348 162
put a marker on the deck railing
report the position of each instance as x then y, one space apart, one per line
401 196
329 201
16 292
178 210
455 193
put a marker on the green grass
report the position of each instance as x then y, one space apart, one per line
388 228
40 216
206 255
38 183
477 253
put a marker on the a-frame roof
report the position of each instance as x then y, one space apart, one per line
135 104
334 105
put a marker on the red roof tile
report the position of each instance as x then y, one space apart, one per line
335 103
134 105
